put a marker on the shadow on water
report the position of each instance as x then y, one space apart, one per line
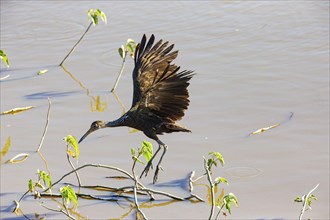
7 75
45 95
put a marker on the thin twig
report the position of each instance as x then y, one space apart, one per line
20 199
46 126
90 25
94 165
209 178
194 196
73 168
121 72
305 202
61 210
80 195
220 210
162 193
135 194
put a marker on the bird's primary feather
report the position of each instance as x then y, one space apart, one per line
159 86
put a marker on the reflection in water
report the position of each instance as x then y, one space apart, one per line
76 80
130 130
95 103
45 161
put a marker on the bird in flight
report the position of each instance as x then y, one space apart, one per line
160 96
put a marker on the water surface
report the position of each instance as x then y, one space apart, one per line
255 63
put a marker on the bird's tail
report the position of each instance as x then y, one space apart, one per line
176 128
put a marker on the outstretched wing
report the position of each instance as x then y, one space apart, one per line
158 84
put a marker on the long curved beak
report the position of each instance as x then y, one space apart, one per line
85 135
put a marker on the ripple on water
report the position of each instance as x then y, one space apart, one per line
243 172
110 58
45 30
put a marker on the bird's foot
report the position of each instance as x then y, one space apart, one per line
147 168
156 173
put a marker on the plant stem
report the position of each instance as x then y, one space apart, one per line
121 72
73 168
90 25
209 178
305 202
97 166
46 126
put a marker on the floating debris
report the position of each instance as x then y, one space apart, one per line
16 110
264 129
19 158
42 72
5 77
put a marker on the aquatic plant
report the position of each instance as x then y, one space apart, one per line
93 17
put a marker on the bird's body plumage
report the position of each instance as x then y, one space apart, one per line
160 94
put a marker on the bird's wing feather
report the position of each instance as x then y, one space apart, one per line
150 63
158 84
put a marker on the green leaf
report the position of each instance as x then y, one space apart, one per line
121 52
130 41
218 156
297 199
72 141
135 158
30 185
210 163
45 177
309 200
228 199
89 13
95 19
147 150
130 48
132 151
93 16
38 184
42 71
103 16
68 195
220 180
4 57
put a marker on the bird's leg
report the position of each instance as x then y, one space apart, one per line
149 164
158 167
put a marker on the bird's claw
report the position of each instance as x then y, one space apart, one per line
156 173
147 168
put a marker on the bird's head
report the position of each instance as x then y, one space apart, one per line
94 126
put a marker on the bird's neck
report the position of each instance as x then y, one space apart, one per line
117 123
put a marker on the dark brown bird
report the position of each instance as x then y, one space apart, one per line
160 96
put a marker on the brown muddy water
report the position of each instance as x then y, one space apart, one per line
256 62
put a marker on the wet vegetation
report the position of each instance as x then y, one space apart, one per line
61 197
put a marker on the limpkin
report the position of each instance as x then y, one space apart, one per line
160 96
